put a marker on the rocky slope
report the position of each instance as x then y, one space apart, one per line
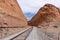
48 19
12 19
46 16
11 14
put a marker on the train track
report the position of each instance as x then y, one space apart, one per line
20 35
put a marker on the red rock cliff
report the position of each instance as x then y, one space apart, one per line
11 14
48 15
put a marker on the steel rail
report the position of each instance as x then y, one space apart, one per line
16 34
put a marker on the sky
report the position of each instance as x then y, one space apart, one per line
32 6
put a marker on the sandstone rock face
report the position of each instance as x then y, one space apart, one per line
48 19
11 14
48 15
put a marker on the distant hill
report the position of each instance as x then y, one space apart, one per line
29 15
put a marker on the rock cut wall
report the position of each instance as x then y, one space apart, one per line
11 14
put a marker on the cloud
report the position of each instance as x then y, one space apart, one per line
34 5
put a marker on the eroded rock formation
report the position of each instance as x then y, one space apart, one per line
48 15
11 14
48 19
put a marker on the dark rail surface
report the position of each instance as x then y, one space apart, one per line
19 33
22 33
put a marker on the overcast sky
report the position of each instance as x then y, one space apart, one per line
34 5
